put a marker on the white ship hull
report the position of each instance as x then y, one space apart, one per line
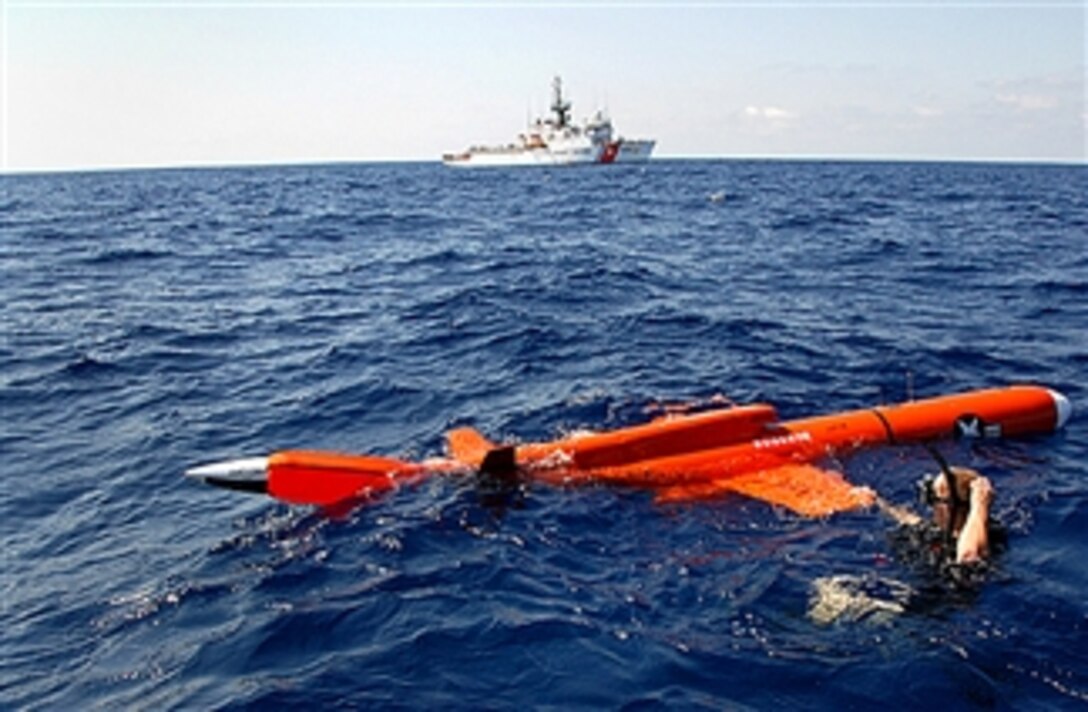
512 158
623 151
515 156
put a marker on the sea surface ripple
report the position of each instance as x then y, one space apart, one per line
157 320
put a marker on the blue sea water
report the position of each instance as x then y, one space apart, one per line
157 320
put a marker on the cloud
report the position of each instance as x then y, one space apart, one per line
927 112
769 113
1059 91
1029 102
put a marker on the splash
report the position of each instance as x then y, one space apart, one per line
853 599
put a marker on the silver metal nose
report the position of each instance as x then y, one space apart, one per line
1063 408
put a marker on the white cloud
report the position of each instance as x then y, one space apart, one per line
1028 102
927 112
770 113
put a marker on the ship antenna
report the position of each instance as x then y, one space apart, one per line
559 106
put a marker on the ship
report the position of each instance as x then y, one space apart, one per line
557 140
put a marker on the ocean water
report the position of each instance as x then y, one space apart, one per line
156 320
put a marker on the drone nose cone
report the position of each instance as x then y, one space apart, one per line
250 468
1063 408
248 475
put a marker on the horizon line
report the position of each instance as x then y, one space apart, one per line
301 163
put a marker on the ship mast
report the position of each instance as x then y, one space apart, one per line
560 107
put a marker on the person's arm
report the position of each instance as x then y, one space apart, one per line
901 515
973 543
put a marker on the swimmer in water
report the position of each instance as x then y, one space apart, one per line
961 500
955 543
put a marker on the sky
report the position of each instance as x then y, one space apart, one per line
141 83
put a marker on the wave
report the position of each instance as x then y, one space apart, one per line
153 321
